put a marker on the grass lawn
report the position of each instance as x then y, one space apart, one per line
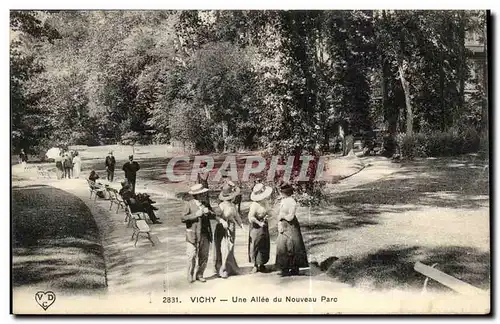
56 241
430 210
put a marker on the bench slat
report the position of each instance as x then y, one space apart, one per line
447 280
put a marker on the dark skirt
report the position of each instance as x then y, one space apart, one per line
224 249
290 248
237 200
259 244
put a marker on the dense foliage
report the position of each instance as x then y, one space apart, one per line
227 80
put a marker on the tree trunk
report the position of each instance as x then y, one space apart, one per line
224 135
441 86
484 112
390 113
409 111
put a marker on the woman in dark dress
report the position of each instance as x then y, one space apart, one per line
290 248
258 241
93 177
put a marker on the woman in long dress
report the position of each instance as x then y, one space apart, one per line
77 165
225 233
259 241
290 248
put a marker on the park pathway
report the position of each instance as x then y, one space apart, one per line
143 267
363 218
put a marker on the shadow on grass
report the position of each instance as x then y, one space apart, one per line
448 183
55 240
393 267
441 183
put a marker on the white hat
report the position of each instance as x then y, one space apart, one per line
197 189
260 192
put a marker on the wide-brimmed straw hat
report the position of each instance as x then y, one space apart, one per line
228 192
260 192
197 189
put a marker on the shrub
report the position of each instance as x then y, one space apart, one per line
161 138
234 144
412 146
130 138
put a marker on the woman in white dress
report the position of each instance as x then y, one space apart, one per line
77 165
225 233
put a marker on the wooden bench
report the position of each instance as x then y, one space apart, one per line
95 188
141 227
115 198
447 280
130 216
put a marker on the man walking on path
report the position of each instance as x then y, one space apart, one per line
23 159
197 217
110 166
130 168
68 165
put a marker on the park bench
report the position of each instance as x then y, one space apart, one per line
130 216
447 280
94 189
115 198
140 227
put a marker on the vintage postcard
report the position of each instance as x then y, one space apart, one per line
250 162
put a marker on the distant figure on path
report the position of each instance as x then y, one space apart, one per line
59 166
77 165
203 175
225 233
196 216
290 248
130 168
68 165
23 159
203 180
237 198
110 166
258 236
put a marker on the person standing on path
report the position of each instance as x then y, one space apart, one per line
226 181
77 165
259 243
130 168
203 180
225 233
197 217
110 166
68 165
290 248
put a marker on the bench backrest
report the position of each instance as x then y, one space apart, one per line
447 280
